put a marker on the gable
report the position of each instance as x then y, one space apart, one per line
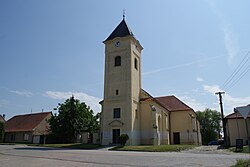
2 119
236 115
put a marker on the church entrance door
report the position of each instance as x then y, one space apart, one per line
116 134
176 137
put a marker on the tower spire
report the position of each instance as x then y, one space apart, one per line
123 14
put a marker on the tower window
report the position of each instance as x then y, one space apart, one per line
136 113
117 92
118 61
136 64
117 113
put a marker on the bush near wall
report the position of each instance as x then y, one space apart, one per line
123 139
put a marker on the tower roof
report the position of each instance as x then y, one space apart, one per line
121 30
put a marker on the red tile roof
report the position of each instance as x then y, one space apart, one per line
25 123
171 103
236 115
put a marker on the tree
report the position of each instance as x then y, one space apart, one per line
1 131
210 124
73 118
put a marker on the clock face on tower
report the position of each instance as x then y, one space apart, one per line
117 44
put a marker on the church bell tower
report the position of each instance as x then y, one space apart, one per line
122 85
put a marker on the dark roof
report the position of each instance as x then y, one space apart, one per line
236 115
25 123
171 103
121 30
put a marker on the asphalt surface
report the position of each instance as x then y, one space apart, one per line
25 156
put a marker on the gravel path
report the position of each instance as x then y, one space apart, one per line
208 150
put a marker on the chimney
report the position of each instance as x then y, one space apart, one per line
3 116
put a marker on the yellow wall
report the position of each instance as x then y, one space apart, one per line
182 121
19 137
150 119
127 80
233 130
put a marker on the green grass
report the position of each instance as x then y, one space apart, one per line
245 150
161 148
71 145
242 163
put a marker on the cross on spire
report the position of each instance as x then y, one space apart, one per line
123 14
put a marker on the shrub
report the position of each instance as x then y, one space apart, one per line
123 139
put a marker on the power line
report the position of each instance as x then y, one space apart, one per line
239 77
237 70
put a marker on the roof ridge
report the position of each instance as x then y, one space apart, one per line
47 112
165 96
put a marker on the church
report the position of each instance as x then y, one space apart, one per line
128 109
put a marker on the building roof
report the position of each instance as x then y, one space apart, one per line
2 118
121 30
171 103
236 115
25 123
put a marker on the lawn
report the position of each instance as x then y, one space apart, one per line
71 145
161 148
245 150
242 163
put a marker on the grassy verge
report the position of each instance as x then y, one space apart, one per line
161 148
71 145
245 150
242 163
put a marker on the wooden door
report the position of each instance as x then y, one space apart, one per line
116 134
176 137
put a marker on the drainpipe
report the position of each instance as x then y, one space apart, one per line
169 128
197 130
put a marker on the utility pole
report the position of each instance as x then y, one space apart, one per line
222 117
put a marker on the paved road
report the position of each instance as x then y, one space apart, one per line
25 156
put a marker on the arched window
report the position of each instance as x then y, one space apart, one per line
166 121
118 61
117 113
116 92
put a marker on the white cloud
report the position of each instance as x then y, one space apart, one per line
91 101
229 101
230 38
212 88
22 93
181 65
199 79
192 103
231 44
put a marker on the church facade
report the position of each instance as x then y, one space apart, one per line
128 109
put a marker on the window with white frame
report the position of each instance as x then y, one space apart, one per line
26 137
166 121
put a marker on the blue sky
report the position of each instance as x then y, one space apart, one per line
51 49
